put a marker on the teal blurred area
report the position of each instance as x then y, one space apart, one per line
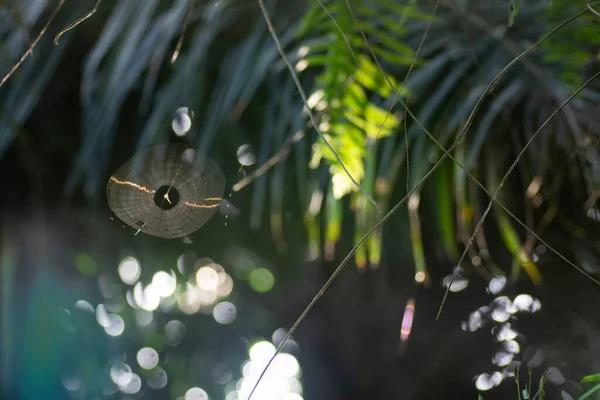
44 344
44 337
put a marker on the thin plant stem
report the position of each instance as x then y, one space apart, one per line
79 21
35 42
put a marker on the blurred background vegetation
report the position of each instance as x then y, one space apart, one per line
91 310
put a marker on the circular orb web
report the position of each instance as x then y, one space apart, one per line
166 191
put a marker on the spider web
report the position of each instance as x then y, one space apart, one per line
193 185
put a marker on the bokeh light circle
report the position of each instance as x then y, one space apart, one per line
129 270
174 332
182 122
196 393
245 155
121 374
158 379
261 280
224 312
207 278
147 357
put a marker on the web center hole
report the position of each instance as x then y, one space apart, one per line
166 197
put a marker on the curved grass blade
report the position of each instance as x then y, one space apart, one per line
333 223
511 93
508 234
445 210
260 187
374 242
421 275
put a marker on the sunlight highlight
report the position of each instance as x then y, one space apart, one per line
130 270
281 381
182 122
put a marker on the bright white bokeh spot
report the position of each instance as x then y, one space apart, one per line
207 278
102 316
523 302
413 201
301 65
500 315
315 98
279 382
84 306
232 395
502 358
484 382
420 277
295 386
475 321
151 297
302 51
246 368
133 386
189 300
182 122
147 357
505 332
502 309
497 284
512 346
459 283
121 374
224 312
245 155
536 306
130 270
292 396
164 283
261 351
131 300
286 365
116 325
225 286
196 394
497 378
147 298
